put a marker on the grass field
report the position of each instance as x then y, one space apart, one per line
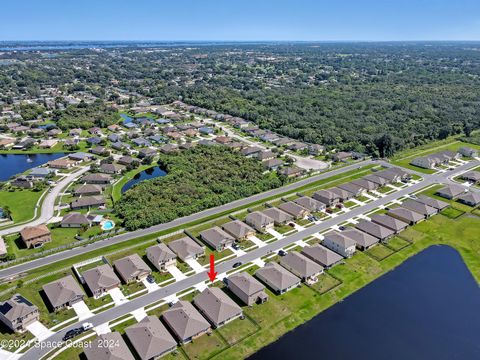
21 203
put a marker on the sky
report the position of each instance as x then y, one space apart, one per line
240 20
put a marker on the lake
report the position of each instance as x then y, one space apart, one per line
149 173
13 164
428 308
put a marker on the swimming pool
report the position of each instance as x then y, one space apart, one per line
108 225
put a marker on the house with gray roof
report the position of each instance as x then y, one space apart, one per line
389 222
150 338
343 195
113 169
88 190
301 266
41 172
322 255
468 151
81 156
470 198
406 215
86 202
259 221
363 240
161 256
419 207
109 346
380 181
97 179
100 279
434 203
472 176
74 220
248 289
380 232
433 160
451 191
17 313
327 197
340 243
366 184
355 190
277 278
217 307
132 268
389 175
217 238
272 164
279 217
309 203
185 322
238 229
186 248
297 211
63 292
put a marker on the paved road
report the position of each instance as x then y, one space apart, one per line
33 264
48 205
157 295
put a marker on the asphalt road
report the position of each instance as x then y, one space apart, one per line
48 205
33 264
36 353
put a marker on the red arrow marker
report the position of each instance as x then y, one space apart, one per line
212 274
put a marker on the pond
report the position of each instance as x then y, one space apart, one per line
147 174
428 308
13 164
126 119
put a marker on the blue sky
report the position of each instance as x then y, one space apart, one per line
307 20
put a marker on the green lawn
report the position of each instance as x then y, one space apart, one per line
237 330
21 203
452 212
205 346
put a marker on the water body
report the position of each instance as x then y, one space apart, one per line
126 119
428 308
13 164
147 174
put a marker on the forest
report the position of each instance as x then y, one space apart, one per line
197 179
377 98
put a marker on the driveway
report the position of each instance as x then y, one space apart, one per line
39 330
176 273
275 233
195 265
117 296
139 314
150 286
102 329
257 241
82 310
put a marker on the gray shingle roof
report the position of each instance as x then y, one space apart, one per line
238 229
216 305
361 238
246 283
16 307
131 266
434 203
389 222
100 277
380 232
419 207
160 253
186 247
277 275
321 255
302 265
62 291
184 320
110 346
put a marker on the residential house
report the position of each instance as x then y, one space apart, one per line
327 197
87 202
17 313
217 307
279 217
342 156
355 190
251 151
100 280
109 346
22 182
316 149
433 160
126 160
380 232
291 171
206 130
150 338
217 238
248 289
408 216
75 220
380 181
88 190
81 156
35 236
113 169
389 222
301 266
451 191
169 148
61 163
277 278
42 173
63 293
272 164
309 203
259 221
132 268
363 240
297 146
94 140
161 256
47 144
365 184
265 155
468 152
419 207
322 255
339 243
434 203
99 150
472 176
185 322
223 139
470 198
238 229
343 195
186 248
101 179
297 211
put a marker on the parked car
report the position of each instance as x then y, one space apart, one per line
87 326
150 279
342 227
78 237
236 246
237 264
291 224
282 252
